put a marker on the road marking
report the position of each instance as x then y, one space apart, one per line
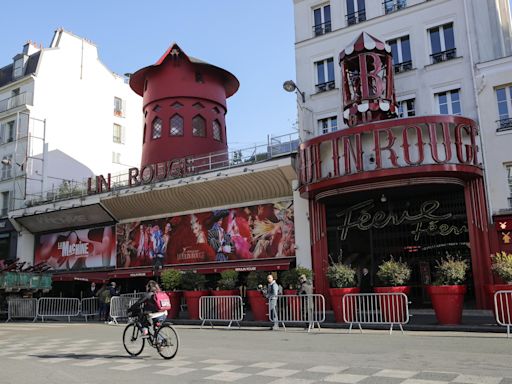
175 371
223 367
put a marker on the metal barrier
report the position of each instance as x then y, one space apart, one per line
22 309
135 295
376 308
299 309
89 307
58 307
119 306
221 309
503 309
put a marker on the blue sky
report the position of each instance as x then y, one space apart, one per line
252 39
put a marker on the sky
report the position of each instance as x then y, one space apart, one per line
254 40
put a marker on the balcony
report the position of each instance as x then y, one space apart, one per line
356 17
323 87
439 57
15 101
402 67
504 125
322 29
391 6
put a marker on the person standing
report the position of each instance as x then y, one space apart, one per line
104 302
306 289
271 293
365 283
91 292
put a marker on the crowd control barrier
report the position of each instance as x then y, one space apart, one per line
299 309
119 306
58 307
376 308
89 307
221 309
503 309
22 309
135 295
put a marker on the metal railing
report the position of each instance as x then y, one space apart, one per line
393 5
187 167
58 307
327 86
228 309
134 295
504 125
89 306
356 17
402 67
22 309
119 307
15 101
439 57
322 29
375 308
300 309
503 309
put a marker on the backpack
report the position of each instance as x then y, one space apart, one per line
163 303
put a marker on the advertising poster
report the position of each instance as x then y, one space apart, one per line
78 249
246 233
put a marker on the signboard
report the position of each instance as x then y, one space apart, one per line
77 250
246 233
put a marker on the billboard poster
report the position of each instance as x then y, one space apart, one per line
77 249
245 233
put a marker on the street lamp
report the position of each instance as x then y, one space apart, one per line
290 86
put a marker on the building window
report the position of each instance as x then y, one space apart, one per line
157 128
5 203
324 75
6 167
198 126
449 102
329 124
17 70
401 51
394 5
118 106
504 98
216 130
177 105
406 108
322 19
355 11
176 125
118 134
442 43
7 132
157 108
116 157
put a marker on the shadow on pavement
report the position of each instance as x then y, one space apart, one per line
81 356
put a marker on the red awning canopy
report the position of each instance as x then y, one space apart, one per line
280 264
97 277
126 273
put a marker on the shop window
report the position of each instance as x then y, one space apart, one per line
217 130
406 108
401 52
327 125
322 20
504 99
176 125
199 126
157 128
449 102
324 75
442 43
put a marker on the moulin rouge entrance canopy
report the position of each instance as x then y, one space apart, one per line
379 151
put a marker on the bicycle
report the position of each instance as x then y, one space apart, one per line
161 336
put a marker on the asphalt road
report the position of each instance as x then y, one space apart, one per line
93 353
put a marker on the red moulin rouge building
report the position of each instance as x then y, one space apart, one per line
412 187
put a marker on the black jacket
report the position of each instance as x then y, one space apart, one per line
147 302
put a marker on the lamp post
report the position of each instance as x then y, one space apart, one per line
290 86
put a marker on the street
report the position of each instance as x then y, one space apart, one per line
93 353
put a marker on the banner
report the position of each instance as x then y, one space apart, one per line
77 250
246 233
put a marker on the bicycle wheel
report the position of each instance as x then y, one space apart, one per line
167 341
132 340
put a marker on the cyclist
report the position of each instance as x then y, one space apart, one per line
152 315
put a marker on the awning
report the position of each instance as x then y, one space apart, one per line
125 273
280 264
97 277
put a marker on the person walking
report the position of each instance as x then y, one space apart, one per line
306 289
271 293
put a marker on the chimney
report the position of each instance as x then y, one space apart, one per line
30 48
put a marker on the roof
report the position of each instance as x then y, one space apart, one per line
364 42
30 68
231 83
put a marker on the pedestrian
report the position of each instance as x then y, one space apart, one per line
365 283
271 293
306 289
104 302
91 292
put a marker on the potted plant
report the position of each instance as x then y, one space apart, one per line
193 285
257 301
171 281
502 267
394 275
447 292
290 279
342 279
226 286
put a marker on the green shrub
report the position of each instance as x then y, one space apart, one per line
228 279
255 278
393 273
451 271
290 278
341 276
191 281
502 265
171 279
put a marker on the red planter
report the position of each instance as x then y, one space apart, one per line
192 298
447 301
175 297
225 307
503 305
336 295
392 308
259 306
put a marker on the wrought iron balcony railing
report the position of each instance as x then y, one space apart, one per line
403 67
439 57
394 5
323 87
322 29
356 17
504 125
15 101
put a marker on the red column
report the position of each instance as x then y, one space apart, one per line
319 251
